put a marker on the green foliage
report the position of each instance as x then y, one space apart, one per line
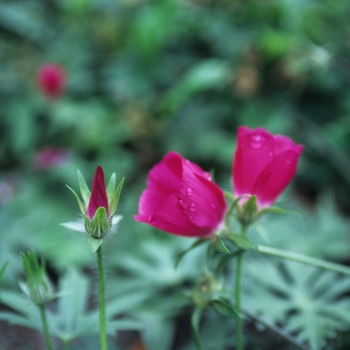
72 318
145 77
308 301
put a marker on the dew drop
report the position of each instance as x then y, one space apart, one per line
193 207
181 202
189 191
257 141
190 217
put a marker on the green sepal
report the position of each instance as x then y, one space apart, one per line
248 212
94 243
99 226
84 190
111 186
195 244
220 246
195 319
82 206
225 308
242 242
37 285
113 205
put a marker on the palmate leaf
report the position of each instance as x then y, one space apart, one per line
71 318
309 302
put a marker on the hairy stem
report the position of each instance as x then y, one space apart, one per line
45 327
101 295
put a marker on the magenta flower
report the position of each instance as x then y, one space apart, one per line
51 80
98 196
181 199
47 158
264 164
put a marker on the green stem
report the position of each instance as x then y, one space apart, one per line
303 259
238 284
102 305
45 327
66 344
239 327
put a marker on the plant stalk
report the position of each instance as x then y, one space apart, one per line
101 294
238 292
239 326
45 327
304 259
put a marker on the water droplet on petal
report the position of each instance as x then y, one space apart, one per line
190 217
213 206
257 141
193 207
189 191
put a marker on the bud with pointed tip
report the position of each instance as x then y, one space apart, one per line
37 285
98 207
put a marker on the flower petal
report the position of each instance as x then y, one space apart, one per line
181 199
98 196
275 178
254 152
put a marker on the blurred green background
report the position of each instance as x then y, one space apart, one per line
145 77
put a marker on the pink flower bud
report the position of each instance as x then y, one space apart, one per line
264 164
51 80
98 196
181 199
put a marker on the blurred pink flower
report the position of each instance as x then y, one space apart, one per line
264 164
98 196
48 158
181 199
51 80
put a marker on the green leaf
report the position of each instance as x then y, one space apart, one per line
310 302
195 319
224 308
95 243
113 206
3 268
84 190
242 242
196 244
220 246
111 186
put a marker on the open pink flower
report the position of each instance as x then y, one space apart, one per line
264 164
98 196
181 199
51 80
